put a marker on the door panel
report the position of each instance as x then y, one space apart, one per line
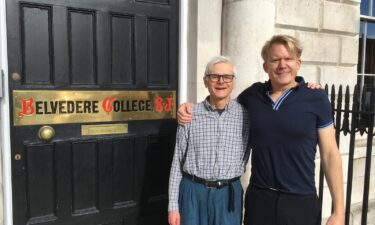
81 29
39 175
122 49
84 177
158 48
92 45
36 39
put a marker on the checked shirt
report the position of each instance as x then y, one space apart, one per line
211 146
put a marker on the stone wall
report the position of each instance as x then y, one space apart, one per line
239 28
247 24
356 214
328 31
209 31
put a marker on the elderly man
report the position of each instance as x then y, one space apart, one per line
210 155
288 120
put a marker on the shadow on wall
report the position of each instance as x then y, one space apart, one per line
356 214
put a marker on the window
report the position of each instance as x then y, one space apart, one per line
366 55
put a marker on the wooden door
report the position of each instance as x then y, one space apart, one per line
92 45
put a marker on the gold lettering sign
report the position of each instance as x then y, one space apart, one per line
34 107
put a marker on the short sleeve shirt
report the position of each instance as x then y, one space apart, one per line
284 135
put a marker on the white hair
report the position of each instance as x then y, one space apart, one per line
216 60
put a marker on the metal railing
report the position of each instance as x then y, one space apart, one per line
353 115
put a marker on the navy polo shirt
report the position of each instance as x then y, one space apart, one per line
284 135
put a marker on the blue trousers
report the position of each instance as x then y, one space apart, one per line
200 205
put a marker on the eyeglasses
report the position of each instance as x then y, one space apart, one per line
227 78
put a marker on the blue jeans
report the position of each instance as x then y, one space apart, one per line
200 205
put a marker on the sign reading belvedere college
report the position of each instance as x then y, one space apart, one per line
59 107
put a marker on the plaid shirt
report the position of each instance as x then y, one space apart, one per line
211 146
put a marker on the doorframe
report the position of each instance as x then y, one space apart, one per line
184 62
183 49
4 120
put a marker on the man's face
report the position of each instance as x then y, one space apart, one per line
281 66
220 89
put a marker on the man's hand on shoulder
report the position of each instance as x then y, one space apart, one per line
173 218
314 86
184 114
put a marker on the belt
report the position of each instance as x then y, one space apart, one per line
210 183
216 184
275 190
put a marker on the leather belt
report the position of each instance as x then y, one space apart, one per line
210 183
216 184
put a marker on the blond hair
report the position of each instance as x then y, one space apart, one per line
292 44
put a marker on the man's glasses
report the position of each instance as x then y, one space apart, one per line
216 77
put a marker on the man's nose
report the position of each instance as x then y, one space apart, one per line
282 63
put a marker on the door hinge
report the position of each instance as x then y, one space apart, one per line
2 84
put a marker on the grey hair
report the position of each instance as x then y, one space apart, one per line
216 60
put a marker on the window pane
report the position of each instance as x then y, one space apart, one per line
370 49
369 81
364 7
367 91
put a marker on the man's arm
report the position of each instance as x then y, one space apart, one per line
246 135
184 114
332 167
176 175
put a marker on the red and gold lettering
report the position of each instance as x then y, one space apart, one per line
158 104
107 105
168 105
27 107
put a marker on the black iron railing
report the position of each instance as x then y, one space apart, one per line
353 113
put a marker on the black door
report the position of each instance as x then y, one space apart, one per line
92 45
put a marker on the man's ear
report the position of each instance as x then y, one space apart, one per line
204 81
299 62
265 67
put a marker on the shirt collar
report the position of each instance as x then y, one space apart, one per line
300 83
210 107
